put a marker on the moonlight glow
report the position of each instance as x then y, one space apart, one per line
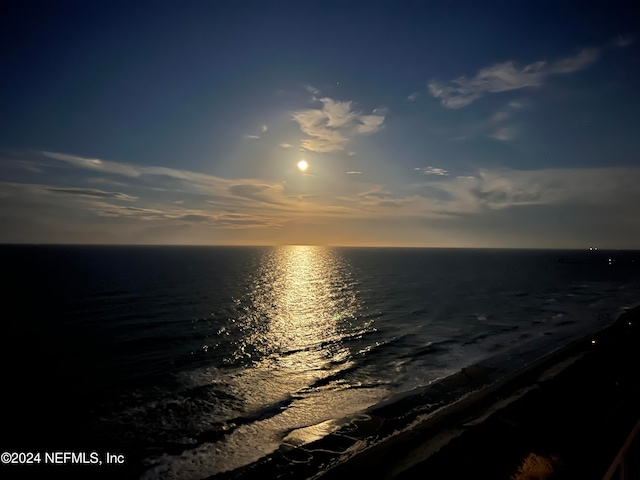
285 137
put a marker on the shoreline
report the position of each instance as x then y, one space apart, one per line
448 423
428 432
571 410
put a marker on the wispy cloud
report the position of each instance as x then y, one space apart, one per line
150 184
329 128
251 136
312 90
370 123
285 145
264 193
413 97
499 117
92 193
503 133
507 76
505 188
432 171
496 123
170 216
160 205
133 171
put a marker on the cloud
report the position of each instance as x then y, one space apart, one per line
312 90
157 179
259 192
320 138
500 122
329 129
177 217
239 220
354 173
158 176
499 117
548 207
69 210
158 188
503 133
612 188
369 123
115 211
337 114
413 97
263 129
507 76
91 192
154 186
80 161
194 217
285 145
432 171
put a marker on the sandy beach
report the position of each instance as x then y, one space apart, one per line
565 416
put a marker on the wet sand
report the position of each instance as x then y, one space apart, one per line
565 416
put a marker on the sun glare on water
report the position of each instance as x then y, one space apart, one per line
303 165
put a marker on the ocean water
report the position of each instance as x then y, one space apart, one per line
194 361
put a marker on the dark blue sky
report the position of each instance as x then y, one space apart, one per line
182 122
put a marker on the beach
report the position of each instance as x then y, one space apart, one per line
223 363
566 416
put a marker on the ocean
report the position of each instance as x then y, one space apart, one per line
195 361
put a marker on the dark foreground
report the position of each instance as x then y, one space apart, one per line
566 416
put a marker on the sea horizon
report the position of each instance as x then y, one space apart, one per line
151 245
223 355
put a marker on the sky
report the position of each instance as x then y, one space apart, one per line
493 124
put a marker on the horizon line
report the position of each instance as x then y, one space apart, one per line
432 247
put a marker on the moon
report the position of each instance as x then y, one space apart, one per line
303 165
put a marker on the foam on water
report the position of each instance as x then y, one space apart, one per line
294 421
200 361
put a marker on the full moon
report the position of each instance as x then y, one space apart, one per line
303 165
